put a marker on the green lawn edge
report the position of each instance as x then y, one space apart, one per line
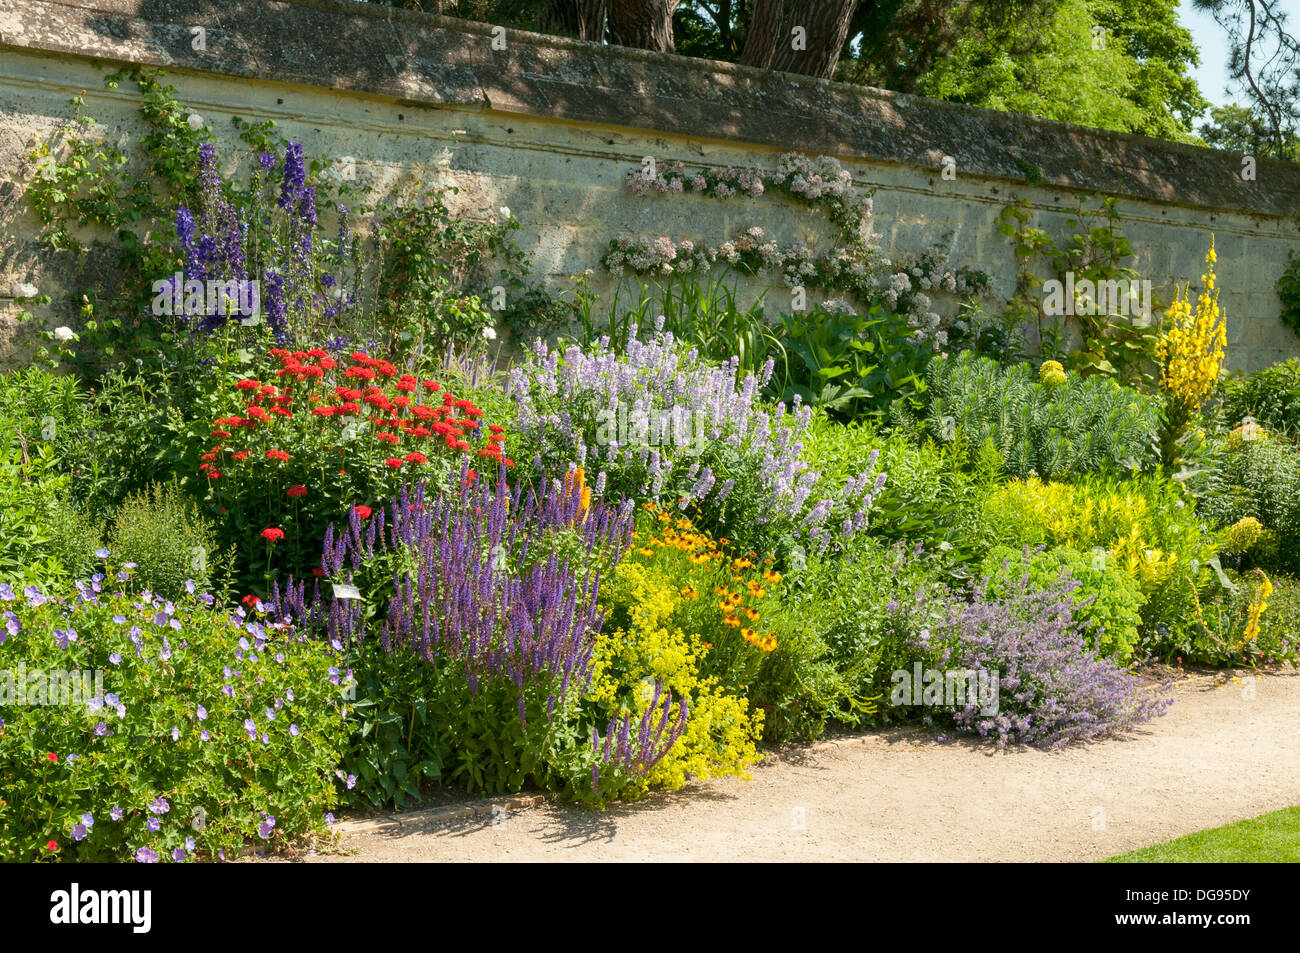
1272 838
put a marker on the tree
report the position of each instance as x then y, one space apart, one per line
642 24
1242 130
1264 63
798 37
1112 64
584 19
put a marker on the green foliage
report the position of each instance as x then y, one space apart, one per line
1270 396
43 538
87 182
1224 634
1258 478
1087 425
159 739
702 311
164 533
1131 78
432 286
1247 132
653 633
1113 340
1107 600
420 722
1288 290
854 618
933 493
848 364
1146 526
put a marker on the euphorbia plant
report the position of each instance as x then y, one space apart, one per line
325 433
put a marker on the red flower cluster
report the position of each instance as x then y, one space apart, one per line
368 391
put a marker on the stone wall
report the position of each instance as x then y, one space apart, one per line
549 127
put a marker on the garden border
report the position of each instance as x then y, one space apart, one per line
443 62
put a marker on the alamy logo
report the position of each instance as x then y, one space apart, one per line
134 907
21 688
948 688
176 296
677 427
1131 298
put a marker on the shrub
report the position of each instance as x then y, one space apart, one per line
1089 424
1271 397
1256 478
934 494
1051 688
660 424
851 365
844 626
1245 619
1146 526
207 731
170 541
1107 600
43 539
44 406
644 651
495 591
293 456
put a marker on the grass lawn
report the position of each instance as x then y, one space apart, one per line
1268 839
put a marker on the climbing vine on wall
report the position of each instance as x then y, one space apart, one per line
853 266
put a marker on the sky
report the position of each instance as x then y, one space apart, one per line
1212 74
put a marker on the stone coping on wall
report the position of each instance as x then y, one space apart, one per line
443 62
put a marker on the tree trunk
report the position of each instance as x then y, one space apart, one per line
767 25
771 40
584 19
642 24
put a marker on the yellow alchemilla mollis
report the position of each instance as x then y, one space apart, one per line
722 732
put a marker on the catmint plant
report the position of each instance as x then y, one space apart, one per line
1053 689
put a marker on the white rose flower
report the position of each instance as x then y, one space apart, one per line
63 333
490 333
505 211
195 122
25 290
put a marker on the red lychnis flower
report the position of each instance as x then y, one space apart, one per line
362 511
272 534
52 756
416 458
393 462
277 455
297 490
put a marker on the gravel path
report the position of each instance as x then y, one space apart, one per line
1223 753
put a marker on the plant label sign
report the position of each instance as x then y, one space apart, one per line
343 591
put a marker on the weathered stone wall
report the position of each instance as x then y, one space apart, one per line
549 127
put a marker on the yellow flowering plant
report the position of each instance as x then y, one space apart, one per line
642 646
1190 353
1146 525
